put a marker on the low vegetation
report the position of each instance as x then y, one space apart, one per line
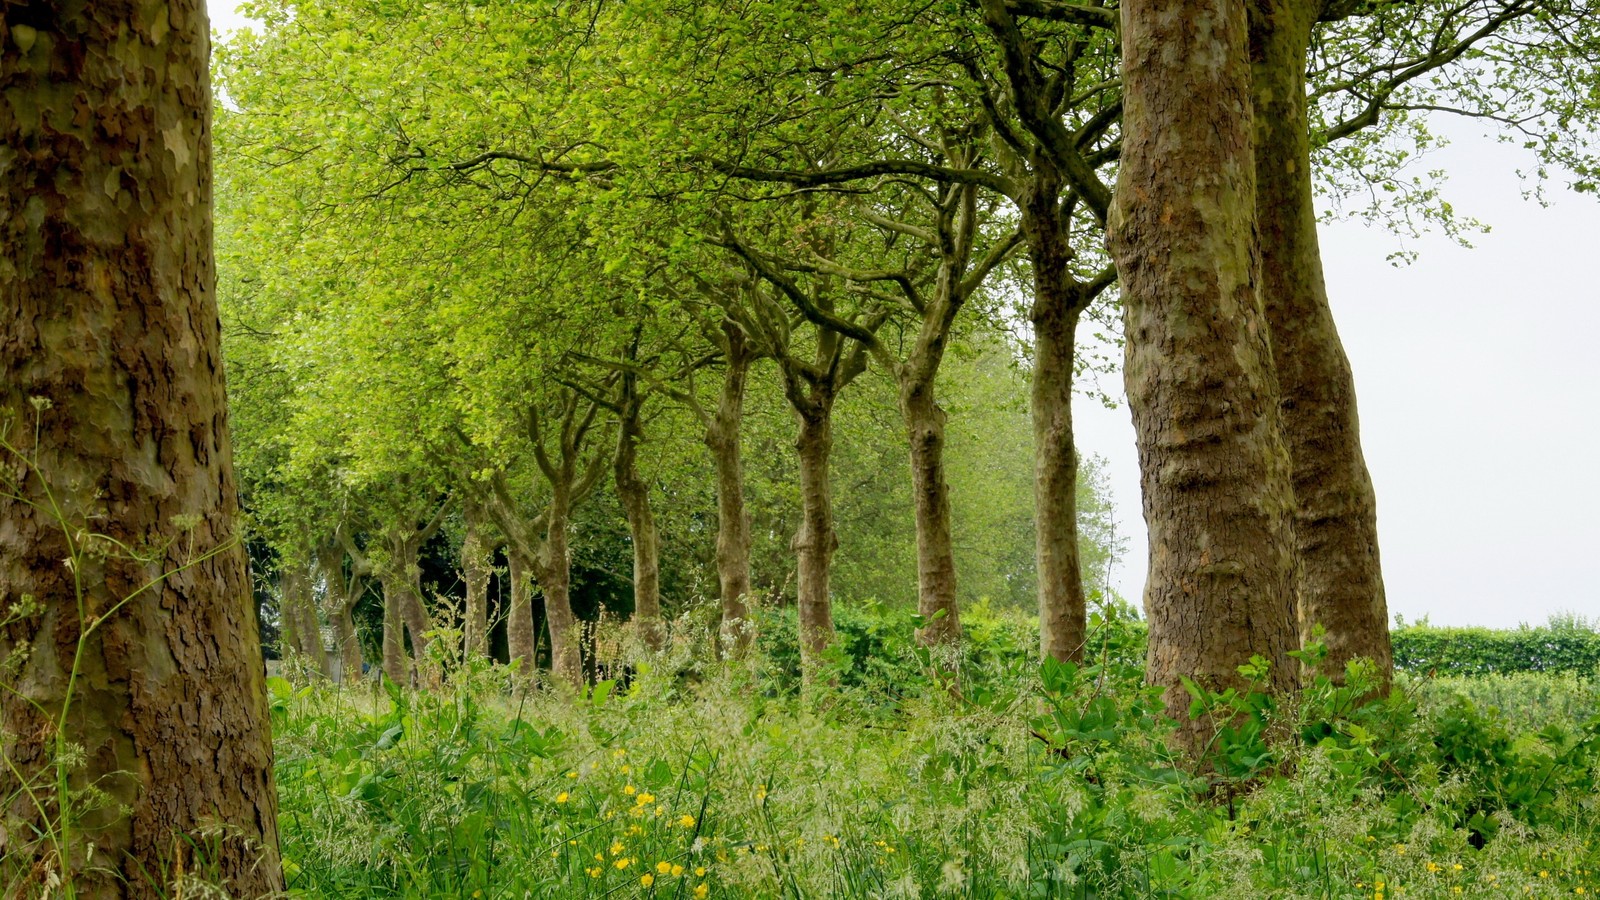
695 779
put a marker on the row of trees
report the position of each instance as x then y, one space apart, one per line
482 239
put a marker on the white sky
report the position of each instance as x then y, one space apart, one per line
1478 376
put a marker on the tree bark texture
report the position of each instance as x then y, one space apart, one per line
520 637
404 577
344 592
109 319
936 562
555 582
302 627
395 666
1058 301
1199 369
476 567
1336 524
634 495
723 438
816 539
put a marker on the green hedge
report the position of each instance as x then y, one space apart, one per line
1480 651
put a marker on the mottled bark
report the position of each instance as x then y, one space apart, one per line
395 666
1058 301
723 438
930 493
555 582
106 282
302 627
519 624
634 495
1199 367
344 592
476 567
402 580
1340 584
816 539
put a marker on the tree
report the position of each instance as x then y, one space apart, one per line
134 645
1199 367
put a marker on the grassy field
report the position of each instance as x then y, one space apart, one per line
706 780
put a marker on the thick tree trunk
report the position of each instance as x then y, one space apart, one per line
723 437
475 570
1336 522
555 582
520 637
112 405
1199 368
395 666
1057 304
936 563
816 540
634 495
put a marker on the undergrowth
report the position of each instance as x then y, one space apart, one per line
703 780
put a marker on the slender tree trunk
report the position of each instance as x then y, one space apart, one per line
475 569
407 581
555 582
816 540
723 437
1336 522
1057 304
1199 368
520 637
634 495
343 595
112 406
349 643
301 624
395 666
936 564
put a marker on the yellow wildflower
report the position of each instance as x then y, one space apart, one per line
594 871
699 871
562 797
647 879
676 870
644 798
630 790
686 821
616 848
701 891
622 863
663 867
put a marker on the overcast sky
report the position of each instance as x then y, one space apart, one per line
1478 376
1478 379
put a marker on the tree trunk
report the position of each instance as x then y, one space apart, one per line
1199 369
1336 522
816 540
555 582
343 595
936 564
634 495
723 437
520 637
302 631
111 381
406 579
475 570
1057 303
394 648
